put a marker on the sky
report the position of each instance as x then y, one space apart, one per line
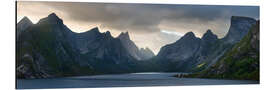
149 25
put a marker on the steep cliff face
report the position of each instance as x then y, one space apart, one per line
50 49
22 25
104 52
239 28
139 54
146 53
130 45
43 50
178 54
191 54
240 62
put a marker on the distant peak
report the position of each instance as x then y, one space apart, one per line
95 29
124 35
53 16
108 33
26 20
209 35
189 34
209 31
146 48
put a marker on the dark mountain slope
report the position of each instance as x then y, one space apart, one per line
139 54
105 53
146 53
22 25
50 49
175 56
43 50
240 62
191 54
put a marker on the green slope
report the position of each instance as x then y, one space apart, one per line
241 62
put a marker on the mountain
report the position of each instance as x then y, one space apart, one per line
192 54
239 28
43 50
104 52
139 54
209 37
178 54
22 25
130 45
50 49
146 53
240 62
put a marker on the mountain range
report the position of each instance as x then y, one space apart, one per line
239 62
192 54
50 49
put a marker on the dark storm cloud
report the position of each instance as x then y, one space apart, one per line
147 17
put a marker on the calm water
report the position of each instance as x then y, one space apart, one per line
123 80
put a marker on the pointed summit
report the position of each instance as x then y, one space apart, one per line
189 34
108 34
146 53
25 20
95 29
51 19
209 36
124 35
23 25
209 31
53 16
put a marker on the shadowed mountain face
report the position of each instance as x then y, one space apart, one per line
44 50
50 49
183 49
139 54
191 54
146 53
22 25
240 62
239 28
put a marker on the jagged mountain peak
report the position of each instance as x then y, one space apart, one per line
146 53
108 34
209 35
95 29
124 35
53 16
189 34
209 31
23 24
52 19
25 20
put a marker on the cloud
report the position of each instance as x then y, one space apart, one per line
142 20
148 17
